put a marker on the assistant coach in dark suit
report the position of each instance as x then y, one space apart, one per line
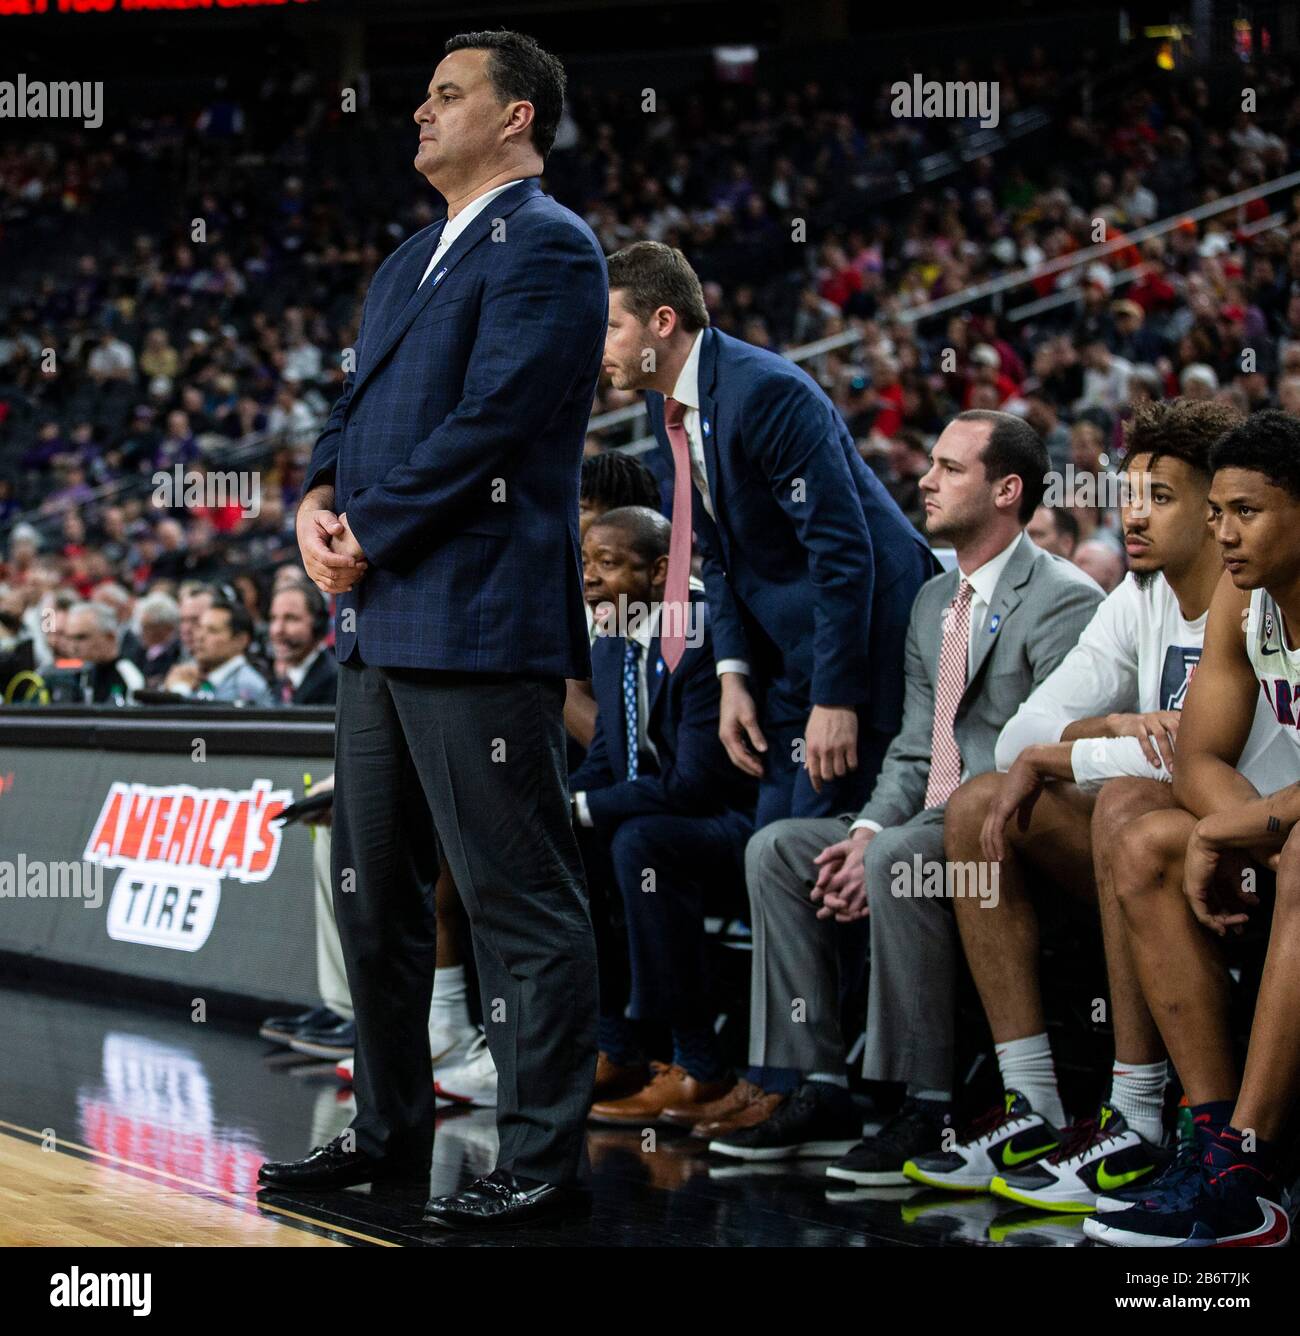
656 793
442 507
809 566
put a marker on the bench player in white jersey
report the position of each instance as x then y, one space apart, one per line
1187 877
1089 751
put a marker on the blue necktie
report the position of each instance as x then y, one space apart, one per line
631 701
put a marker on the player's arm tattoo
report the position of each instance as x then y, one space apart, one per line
1273 824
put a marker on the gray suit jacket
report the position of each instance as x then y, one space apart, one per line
1039 609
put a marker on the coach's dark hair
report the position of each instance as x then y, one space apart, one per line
241 624
1185 429
1267 443
520 71
647 531
1013 447
612 479
652 275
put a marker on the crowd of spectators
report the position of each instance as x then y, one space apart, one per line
214 337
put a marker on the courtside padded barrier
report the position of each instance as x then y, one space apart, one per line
141 844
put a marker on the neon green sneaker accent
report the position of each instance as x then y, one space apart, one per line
1109 1182
1011 1158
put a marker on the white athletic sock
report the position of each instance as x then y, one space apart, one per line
1137 1090
1026 1065
450 1008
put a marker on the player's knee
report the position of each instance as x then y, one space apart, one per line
1120 801
1141 860
966 810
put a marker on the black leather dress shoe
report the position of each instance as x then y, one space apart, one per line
503 1199
332 1166
327 1041
282 1029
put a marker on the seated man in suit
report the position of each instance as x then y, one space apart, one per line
662 814
980 638
306 673
219 669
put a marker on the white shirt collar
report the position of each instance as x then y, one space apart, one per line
644 629
466 216
296 672
985 579
687 389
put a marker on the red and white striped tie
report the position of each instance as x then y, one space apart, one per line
945 756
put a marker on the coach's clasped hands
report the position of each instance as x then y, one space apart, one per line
330 552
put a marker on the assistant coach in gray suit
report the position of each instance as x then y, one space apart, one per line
979 640
442 506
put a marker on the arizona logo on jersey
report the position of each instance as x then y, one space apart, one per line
1176 676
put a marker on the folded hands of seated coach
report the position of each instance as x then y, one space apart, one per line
330 552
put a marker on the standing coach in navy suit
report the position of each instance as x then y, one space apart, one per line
809 566
442 508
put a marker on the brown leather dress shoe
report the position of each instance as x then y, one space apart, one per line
741 1094
668 1086
616 1082
749 1105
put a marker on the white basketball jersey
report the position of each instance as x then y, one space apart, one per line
1277 669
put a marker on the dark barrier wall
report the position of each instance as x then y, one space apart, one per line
145 846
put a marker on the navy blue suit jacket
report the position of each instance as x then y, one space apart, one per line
810 567
455 447
695 777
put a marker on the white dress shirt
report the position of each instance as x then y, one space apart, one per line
687 393
983 582
298 671
455 226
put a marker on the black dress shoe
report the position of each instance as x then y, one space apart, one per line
503 1199
283 1029
327 1041
332 1166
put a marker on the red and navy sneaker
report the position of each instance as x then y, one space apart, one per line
1238 1205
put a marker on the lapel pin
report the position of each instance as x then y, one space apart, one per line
994 622
706 426
437 278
